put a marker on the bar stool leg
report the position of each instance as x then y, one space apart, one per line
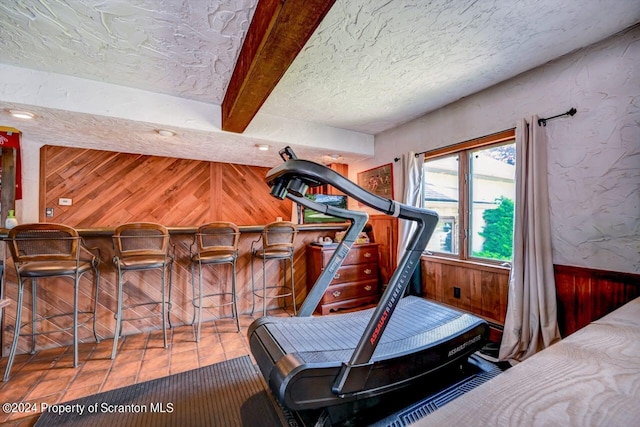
193 293
34 311
95 304
118 316
264 286
253 288
75 320
234 300
200 290
293 286
16 332
284 282
169 300
164 312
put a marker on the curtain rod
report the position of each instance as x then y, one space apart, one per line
543 122
460 143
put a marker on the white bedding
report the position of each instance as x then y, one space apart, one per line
591 378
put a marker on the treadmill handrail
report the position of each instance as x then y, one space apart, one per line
295 176
314 174
358 221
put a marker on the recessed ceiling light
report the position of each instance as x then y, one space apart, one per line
165 132
334 156
21 114
263 147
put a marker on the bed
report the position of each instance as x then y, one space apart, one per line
590 378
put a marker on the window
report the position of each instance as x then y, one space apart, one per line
442 194
472 187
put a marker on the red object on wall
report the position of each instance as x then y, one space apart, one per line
10 138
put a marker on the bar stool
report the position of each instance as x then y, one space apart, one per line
140 246
42 251
277 244
215 243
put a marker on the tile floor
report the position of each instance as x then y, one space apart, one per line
49 377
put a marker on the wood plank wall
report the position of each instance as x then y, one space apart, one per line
583 294
109 188
483 288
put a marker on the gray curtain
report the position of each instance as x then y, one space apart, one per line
531 320
411 193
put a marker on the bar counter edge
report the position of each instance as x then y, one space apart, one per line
108 231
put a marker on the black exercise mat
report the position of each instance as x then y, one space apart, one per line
229 393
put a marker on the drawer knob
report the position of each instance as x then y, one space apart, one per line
336 276
367 255
367 271
336 294
368 288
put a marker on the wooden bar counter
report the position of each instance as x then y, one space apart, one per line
55 295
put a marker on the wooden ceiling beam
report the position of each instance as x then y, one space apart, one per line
278 32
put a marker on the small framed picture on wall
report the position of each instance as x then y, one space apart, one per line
378 181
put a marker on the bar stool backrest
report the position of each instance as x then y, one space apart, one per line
140 238
43 242
279 236
216 236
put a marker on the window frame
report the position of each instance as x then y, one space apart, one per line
463 150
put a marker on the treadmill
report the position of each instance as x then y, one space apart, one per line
318 362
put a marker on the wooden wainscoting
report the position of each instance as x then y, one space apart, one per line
586 294
583 294
109 188
483 289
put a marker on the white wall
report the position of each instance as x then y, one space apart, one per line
594 157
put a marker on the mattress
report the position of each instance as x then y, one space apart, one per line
590 378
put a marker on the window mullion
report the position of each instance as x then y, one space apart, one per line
463 165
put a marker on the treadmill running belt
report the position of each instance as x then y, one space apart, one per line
335 337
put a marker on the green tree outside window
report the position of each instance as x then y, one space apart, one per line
498 231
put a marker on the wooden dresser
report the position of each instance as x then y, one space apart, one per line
357 281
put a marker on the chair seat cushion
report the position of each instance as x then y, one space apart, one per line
141 262
53 268
213 257
272 253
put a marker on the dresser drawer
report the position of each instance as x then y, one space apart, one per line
357 255
352 273
355 283
345 291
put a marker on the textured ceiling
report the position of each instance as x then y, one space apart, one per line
182 48
371 65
